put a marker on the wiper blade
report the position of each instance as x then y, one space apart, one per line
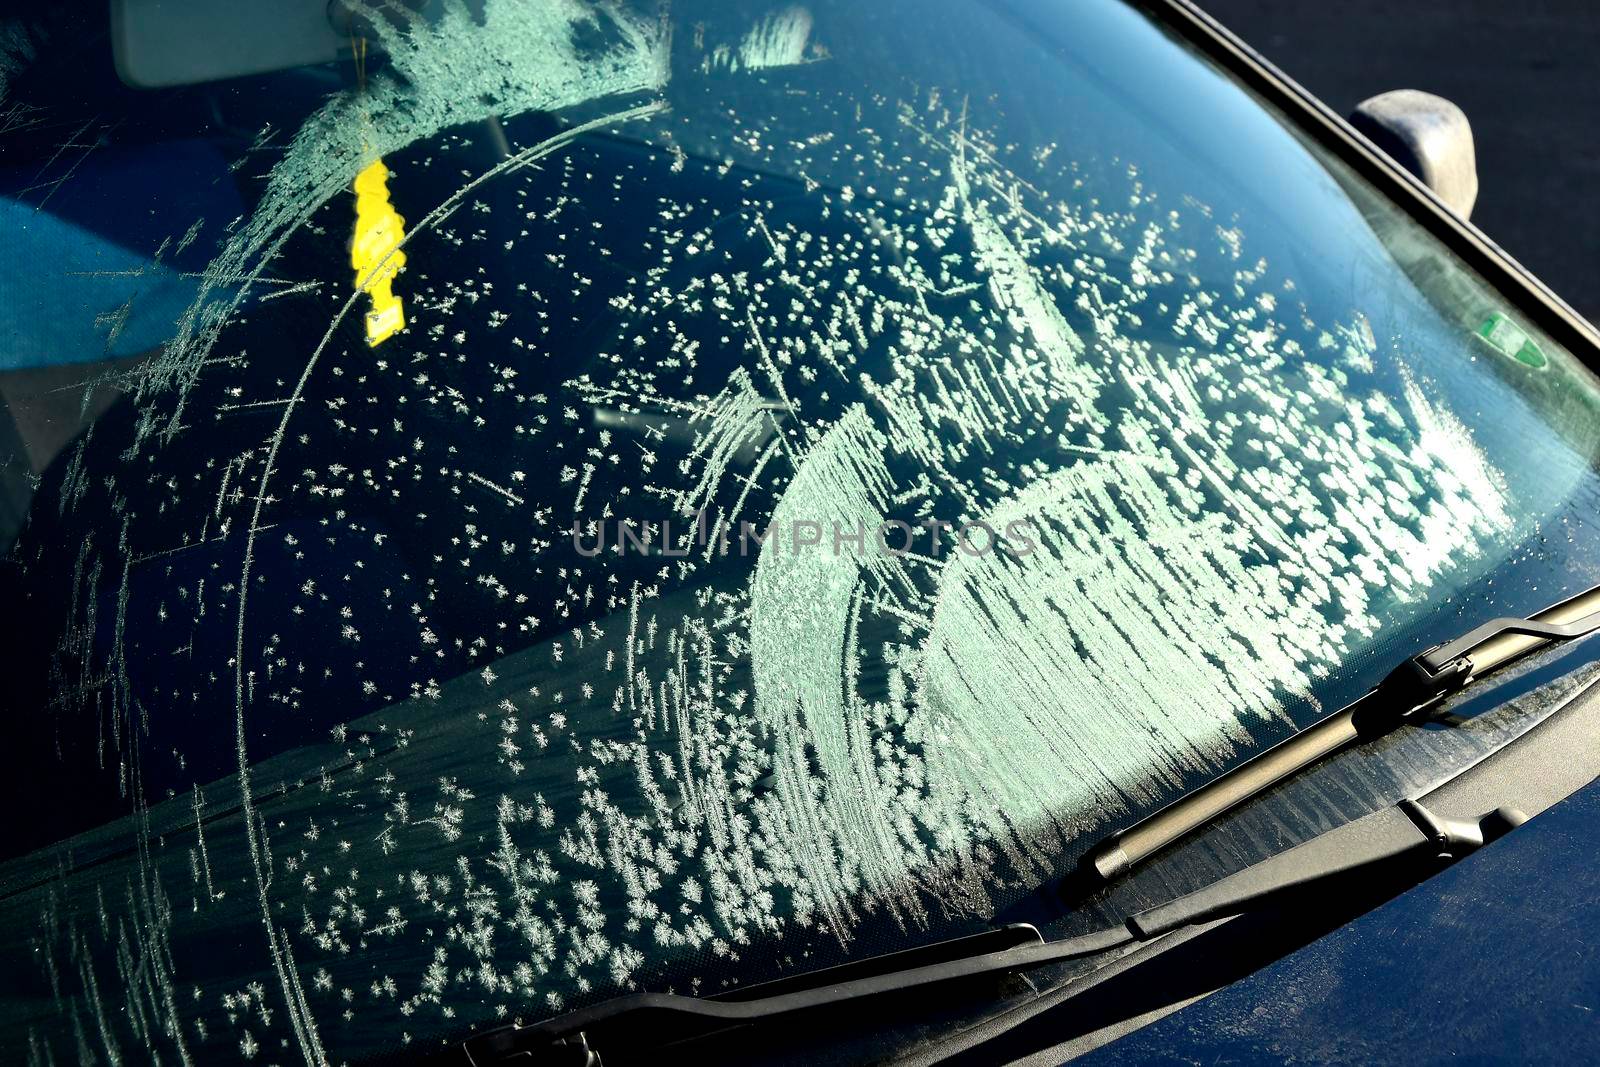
1407 831
665 1016
1411 688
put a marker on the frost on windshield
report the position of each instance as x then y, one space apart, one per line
523 774
519 57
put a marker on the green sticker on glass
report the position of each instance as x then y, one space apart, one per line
1512 341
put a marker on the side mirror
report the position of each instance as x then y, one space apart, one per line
1427 135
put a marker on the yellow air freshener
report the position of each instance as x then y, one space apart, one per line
375 252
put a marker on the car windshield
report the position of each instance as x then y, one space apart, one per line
548 500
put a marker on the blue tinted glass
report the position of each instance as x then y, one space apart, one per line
573 500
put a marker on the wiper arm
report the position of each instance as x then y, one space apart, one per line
1406 832
1413 687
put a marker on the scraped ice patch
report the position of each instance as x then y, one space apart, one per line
1118 661
1114 662
802 600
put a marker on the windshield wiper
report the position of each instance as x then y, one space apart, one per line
1409 831
1405 833
1411 688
